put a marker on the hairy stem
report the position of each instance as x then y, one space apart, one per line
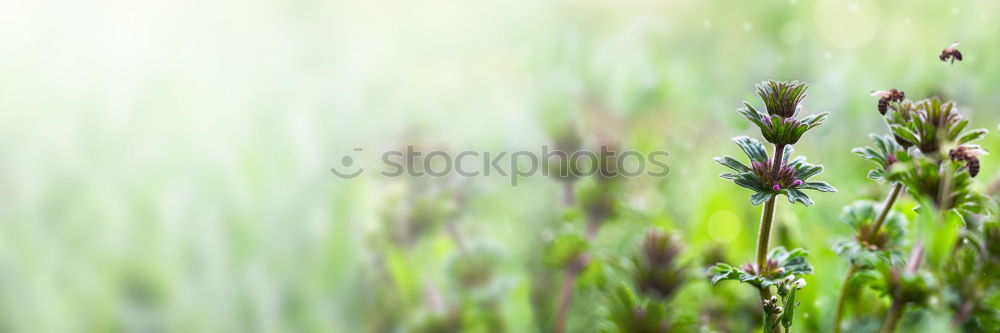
766 219
886 208
767 216
764 236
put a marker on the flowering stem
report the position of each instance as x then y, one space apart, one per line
767 216
766 219
764 236
879 221
886 208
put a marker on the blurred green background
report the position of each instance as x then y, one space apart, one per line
165 164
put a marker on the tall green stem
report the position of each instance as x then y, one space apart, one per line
886 208
764 236
766 220
838 313
767 216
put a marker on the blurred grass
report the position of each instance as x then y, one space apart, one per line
164 164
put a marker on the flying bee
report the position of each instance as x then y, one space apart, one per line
951 53
968 154
886 96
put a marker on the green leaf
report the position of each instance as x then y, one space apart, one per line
818 186
804 171
904 133
732 163
760 197
957 128
750 181
972 135
753 148
789 314
722 271
795 195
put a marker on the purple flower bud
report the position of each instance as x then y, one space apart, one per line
797 182
775 187
768 121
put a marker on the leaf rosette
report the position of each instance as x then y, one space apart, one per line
790 179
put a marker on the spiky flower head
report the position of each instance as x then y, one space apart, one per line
627 312
767 180
782 101
947 184
883 154
930 124
782 98
657 271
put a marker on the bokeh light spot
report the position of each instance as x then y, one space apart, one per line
723 226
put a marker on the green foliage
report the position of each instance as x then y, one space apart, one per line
781 264
564 248
930 124
883 154
942 183
864 248
901 285
790 304
782 311
970 281
791 179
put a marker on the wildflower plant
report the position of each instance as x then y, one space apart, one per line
768 177
944 183
878 231
930 156
656 274
928 124
870 245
